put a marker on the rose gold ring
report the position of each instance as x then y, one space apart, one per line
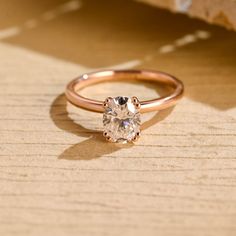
121 118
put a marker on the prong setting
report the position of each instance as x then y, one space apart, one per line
136 102
109 139
136 137
121 119
105 105
106 102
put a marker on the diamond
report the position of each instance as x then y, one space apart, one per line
121 119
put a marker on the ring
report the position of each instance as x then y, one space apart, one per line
121 115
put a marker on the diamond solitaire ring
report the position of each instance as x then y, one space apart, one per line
121 115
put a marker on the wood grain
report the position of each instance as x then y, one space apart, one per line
59 177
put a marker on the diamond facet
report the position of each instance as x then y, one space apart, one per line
121 119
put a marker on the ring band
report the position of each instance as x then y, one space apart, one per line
121 104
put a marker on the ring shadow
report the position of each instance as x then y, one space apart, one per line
94 146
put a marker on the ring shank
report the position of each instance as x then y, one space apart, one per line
146 106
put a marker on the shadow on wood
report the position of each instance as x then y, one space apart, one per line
94 146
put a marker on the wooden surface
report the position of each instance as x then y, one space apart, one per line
221 12
59 177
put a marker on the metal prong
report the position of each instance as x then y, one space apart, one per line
137 105
109 139
136 137
105 104
136 102
107 100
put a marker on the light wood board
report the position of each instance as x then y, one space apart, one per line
59 177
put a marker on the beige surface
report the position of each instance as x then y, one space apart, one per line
221 12
58 176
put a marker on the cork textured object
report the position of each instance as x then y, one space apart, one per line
57 174
221 12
